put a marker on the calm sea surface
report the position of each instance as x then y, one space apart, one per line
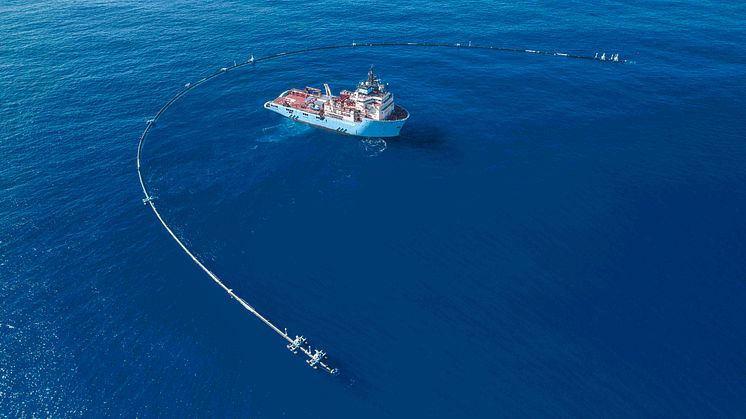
549 237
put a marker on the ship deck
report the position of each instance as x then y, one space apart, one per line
301 100
398 114
296 99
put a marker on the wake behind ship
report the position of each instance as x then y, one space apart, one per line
369 111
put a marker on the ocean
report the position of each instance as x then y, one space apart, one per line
548 237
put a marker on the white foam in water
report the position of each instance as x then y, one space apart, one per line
270 134
279 132
374 146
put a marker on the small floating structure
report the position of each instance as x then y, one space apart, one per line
315 358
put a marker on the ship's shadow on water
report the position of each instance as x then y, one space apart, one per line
423 136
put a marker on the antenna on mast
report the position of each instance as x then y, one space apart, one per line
372 78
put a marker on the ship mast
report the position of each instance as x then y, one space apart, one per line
372 77
372 82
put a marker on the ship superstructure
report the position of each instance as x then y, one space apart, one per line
367 111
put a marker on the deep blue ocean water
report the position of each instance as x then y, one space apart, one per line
549 237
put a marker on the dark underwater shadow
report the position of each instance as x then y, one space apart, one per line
423 136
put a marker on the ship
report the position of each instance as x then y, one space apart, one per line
368 111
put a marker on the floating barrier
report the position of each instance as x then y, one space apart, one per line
316 358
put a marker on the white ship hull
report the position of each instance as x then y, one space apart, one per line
364 128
